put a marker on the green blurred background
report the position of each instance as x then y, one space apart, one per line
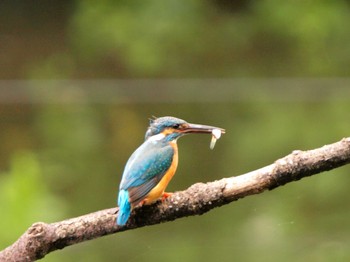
79 80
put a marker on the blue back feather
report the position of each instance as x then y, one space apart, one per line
150 160
124 207
143 171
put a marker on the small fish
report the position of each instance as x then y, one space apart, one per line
216 134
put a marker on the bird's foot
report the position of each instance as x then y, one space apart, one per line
166 195
142 203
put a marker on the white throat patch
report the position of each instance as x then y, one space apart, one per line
157 137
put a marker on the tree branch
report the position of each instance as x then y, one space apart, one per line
41 238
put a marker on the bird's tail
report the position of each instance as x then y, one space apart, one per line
124 207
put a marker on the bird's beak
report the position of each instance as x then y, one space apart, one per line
200 129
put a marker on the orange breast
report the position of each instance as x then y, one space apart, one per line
159 189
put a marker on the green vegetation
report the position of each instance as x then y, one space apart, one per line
247 67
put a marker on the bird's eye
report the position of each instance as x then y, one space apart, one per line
176 126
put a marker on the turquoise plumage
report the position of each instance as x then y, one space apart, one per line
143 171
124 207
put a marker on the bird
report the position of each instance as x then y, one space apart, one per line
150 168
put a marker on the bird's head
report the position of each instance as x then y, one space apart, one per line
170 128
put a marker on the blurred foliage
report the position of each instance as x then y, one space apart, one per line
24 197
198 38
193 38
64 143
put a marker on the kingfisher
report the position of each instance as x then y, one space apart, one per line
151 167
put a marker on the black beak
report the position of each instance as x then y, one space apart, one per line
200 129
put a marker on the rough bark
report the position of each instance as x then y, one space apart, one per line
41 238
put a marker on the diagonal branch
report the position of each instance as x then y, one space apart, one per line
41 238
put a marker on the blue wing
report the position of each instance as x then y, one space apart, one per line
145 168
